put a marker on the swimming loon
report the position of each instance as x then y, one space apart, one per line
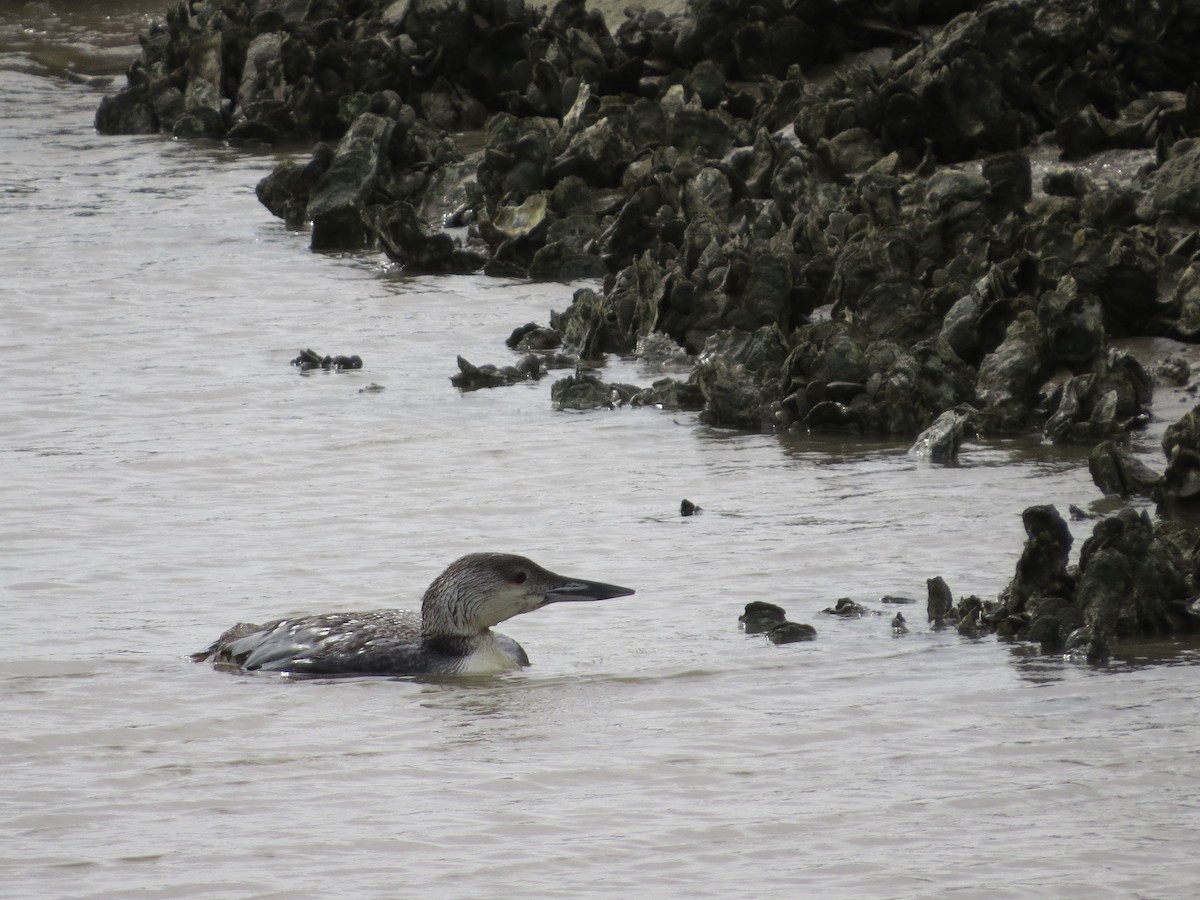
450 636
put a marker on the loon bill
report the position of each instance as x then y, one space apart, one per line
451 635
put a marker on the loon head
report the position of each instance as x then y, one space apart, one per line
483 589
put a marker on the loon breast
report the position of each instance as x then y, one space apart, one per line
495 654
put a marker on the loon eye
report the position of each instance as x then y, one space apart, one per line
519 578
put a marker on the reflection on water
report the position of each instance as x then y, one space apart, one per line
168 473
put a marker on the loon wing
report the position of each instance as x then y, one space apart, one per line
384 641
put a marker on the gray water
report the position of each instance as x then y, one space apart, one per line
165 473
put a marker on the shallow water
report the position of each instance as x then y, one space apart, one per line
167 473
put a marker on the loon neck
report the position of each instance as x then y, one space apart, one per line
448 616
456 644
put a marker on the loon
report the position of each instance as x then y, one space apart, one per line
451 635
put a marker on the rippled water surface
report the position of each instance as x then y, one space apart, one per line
166 473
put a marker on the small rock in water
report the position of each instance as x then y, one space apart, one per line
791 633
310 359
898 625
769 619
847 608
760 617
941 601
1173 370
940 442
688 508
1116 471
888 598
471 377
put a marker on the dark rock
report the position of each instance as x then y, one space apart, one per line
970 614
940 605
584 390
1042 568
761 617
1051 621
203 106
791 633
285 192
669 393
1010 181
1107 402
915 386
1173 370
534 337
1009 376
471 377
407 241
1183 434
1067 183
310 359
829 415
738 374
733 396
562 261
261 112
1175 186
1132 582
1117 471
1073 322
688 508
597 154
131 112
1178 491
589 326
1186 302
338 200
847 608
1086 132
899 625
941 440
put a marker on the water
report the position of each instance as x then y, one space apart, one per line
166 473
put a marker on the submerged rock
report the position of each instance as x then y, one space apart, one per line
310 359
767 618
584 390
847 608
941 440
419 249
940 605
1042 568
760 617
471 377
338 199
791 633
1115 470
